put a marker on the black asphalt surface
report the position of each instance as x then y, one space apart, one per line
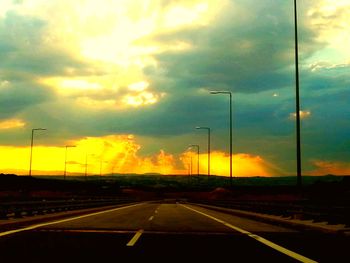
169 232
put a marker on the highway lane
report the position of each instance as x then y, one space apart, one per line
165 232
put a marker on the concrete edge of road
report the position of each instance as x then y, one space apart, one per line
25 221
293 223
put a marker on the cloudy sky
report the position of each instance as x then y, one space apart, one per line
126 82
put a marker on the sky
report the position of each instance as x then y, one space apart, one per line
127 81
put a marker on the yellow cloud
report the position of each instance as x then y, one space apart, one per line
139 86
97 104
142 98
183 15
118 154
303 115
4 83
11 124
115 38
332 20
108 31
242 164
138 95
69 85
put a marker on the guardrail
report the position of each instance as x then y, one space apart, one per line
30 208
332 214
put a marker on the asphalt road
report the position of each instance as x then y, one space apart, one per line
165 232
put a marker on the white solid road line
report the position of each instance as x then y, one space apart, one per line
258 238
62 221
135 238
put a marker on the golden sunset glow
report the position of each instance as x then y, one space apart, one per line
332 18
119 36
11 124
118 154
74 85
140 98
243 164
329 167
303 115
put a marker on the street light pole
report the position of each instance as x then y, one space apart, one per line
65 160
31 149
229 93
297 97
196 145
208 129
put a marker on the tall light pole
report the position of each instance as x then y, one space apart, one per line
31 149
229 93
208 129
65 160
196 145
297 98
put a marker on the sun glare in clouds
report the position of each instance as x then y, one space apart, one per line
68 86
332 20
96 104
243 164
138 95
303 115
4 83
119 154
11 124
116 38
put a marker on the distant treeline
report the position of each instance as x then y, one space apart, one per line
13 186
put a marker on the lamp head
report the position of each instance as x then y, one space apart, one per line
220 92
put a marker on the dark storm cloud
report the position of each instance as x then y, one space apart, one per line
24 48
25 57
18 95
252 53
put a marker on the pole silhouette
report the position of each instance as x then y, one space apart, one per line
297 98
229 93
31 149
208 129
